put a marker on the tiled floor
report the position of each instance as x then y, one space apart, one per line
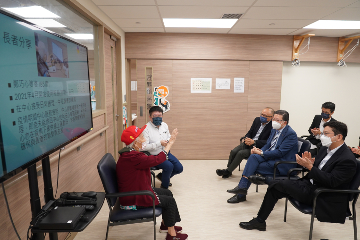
201 197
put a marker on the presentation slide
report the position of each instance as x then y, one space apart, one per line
44 92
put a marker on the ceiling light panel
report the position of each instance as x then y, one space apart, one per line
32 12
198 23
334 24
51 23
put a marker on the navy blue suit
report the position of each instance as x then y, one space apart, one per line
285 150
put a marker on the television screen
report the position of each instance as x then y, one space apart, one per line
44 92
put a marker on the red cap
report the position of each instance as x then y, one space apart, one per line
131 133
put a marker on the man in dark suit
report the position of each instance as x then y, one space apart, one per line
317 126
334 167
256 136
282 145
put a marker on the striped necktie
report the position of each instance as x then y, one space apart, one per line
274 141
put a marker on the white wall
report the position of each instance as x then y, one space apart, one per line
305 88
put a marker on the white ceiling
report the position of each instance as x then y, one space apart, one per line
269 17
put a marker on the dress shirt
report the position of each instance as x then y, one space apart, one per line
278 133
154 135
326 159
262 126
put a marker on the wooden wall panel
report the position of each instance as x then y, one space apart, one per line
210 125
110 90
229 47
207 46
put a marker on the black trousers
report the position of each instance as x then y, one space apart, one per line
302 190
237 155
170 212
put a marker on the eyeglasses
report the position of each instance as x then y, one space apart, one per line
278 120
154 116
265 115
325 134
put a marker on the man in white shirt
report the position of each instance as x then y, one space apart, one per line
157 136
317 126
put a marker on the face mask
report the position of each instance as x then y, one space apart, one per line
276 125
157 121
325 141
325 115
263 119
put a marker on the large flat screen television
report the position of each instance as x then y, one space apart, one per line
44 93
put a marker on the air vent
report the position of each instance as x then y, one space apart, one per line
231 16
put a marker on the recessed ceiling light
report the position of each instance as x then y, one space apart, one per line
32 12
46 22
334 24
199 23
80 35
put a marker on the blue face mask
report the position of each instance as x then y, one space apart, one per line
157 121
325 115
263 119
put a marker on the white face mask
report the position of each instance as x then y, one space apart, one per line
325 140
276 125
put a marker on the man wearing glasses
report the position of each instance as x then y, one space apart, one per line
333 167
256 136
317 126
282 145
157 136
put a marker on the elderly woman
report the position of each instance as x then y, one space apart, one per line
133 171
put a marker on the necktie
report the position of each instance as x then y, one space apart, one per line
274 141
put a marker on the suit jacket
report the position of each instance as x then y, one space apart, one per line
336 174
133 174
285 149
264 135
315 124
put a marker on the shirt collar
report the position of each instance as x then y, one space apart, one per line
334 150
154 124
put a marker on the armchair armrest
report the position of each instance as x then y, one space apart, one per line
301 169
241 139
282 162
305 136
132 193
326 190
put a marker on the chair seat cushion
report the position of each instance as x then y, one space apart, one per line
119 215
302 207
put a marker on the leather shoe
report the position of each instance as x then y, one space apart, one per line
227 174
236 199
220 172
259 180
238 190
253 224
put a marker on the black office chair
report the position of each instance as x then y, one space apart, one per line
353 196
303 146
117 216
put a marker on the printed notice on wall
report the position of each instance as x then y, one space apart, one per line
201 85
223 83
239 84
133 85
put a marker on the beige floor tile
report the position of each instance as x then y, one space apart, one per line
201 197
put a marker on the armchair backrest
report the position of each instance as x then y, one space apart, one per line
107 171
303 146
355 182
